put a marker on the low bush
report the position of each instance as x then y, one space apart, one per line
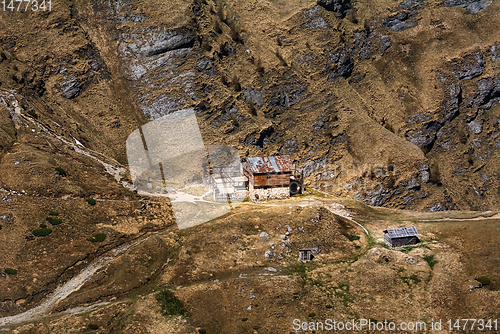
43 232
54 221
202 330
311 315
43 226
10 271
244 319
54 213
483 280
91 201
170 304
99 237
33 114
60 171
93 327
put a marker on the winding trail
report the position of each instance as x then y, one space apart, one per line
74 284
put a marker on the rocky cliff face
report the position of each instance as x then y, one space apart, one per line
395 104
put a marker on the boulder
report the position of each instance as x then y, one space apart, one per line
340 7
400 21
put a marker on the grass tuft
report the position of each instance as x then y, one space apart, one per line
60 171
93 327
170 304
430 260
54 221
43 232
99 237
10 271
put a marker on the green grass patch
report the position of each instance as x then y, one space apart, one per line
54 221
93 327
430 260
54 213
483 280
170 304
406 249
91 201
60 171
43 232
99 237
352 237
412 278
10 271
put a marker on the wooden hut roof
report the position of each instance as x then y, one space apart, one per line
402 232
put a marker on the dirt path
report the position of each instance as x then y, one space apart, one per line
74 284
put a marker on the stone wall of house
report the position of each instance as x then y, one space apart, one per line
264 194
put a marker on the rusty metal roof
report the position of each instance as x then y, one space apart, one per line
277 164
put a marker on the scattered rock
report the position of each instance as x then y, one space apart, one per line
472 6
290 146
475 126
340 7
399 22
255 96
207 67
495 52
269 254
411 260
71 88
263 235
342 65
469 67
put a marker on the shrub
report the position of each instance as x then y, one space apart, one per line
4 57
244 319
99 237
329 306
60 171
93 327
352 237
202 330
54 213
483 280
430 260
10 271
311 315
54 221
91 201
170 304
256 328
32 113
43 226
43 232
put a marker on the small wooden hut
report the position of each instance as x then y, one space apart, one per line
399 237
